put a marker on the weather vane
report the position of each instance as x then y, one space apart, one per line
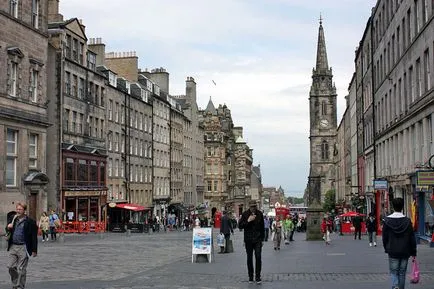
320 18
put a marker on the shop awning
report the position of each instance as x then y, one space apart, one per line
132 207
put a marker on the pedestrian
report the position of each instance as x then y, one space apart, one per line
277 233
226 229
325 231
22 243
371 226
338 225
287 228
44 225
252 222
357 224
267 228
399 243
53 221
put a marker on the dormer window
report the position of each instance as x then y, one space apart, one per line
128 87
156 90
112 79
144 95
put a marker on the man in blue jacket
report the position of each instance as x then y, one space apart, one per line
22 243
399 243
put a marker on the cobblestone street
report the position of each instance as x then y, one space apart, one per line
163 261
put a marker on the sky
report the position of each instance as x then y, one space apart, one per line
259 54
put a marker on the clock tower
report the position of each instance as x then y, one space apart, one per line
323 124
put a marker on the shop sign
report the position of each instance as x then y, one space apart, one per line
425 178
380 185
112 205
83 193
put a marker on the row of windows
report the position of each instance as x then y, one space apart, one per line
12 155
161 186
15 10
81 172
412 85
161 134
401 38
13 84
138 120
410 146
75 122
138 147
75 86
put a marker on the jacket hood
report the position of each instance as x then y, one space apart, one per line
397 225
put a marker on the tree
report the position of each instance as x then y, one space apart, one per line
329 201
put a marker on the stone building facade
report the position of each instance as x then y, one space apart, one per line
77 109
23 106
323 124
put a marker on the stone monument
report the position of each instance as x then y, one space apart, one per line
314 211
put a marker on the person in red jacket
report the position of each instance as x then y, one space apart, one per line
324 230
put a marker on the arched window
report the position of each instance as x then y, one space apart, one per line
324 107
324 150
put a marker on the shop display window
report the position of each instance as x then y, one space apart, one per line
94 205
70 209
83 209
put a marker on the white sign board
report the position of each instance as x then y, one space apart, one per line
202 242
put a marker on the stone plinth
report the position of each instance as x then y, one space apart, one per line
314 215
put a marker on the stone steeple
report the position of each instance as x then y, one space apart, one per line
321 53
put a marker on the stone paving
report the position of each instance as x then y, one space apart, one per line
163 260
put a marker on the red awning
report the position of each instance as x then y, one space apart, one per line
132 207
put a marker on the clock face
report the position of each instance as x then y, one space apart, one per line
324 123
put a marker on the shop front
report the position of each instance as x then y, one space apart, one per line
123 217
424 206
84 211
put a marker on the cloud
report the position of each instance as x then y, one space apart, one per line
259 53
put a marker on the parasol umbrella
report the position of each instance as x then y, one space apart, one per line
351 214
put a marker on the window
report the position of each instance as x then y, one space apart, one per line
110 110
80 124
110 133
323 108
75 49
34 85
426 71
209 186
91 60
81 88
74 85
418 78
13 8
74 122
324 150
33 151
35 13
411 83
116 167
67 83
117 141
117 112
13 79
66 120
216 186
68 46
11 159
69 172
109 167
93 170
80 53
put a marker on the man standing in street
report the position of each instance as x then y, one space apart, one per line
22 243
357 223
252 221
267 228
226 229
371 227
399 243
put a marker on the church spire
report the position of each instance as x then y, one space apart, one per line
321 54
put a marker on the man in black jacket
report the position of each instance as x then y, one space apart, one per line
371 227
252 221
226 229
399 243
22 243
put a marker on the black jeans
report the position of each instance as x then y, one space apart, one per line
357 231
257 247
267 232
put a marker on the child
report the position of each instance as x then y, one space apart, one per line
325 231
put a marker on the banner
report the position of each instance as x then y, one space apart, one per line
202 241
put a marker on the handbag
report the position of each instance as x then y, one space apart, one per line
415 272
221 240
8 233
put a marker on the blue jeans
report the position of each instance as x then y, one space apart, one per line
398 269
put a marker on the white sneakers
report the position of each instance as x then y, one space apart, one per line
370 244
375 244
